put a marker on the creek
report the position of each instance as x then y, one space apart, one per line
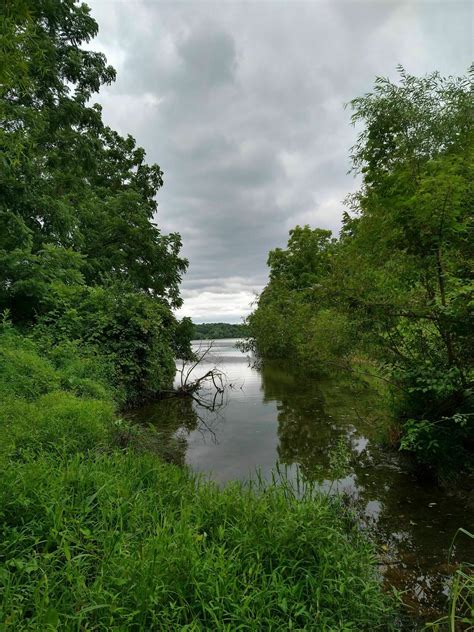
273 414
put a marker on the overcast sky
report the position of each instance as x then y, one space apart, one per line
242 106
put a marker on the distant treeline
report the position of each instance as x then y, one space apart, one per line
208 331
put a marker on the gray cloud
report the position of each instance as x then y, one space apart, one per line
241 104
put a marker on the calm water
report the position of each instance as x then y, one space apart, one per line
274 414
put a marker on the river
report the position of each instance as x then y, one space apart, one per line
273 414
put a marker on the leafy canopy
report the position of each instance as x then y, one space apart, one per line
81 258
68 181
397 285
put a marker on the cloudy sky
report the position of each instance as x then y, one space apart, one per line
242 106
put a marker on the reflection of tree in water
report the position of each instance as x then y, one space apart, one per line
167 424
307 432
413 518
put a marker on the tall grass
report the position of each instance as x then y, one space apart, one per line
123 541
44 406
461 596
97 538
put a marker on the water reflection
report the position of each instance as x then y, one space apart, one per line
172 420
276 414
307 433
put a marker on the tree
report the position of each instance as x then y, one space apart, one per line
80 255
306 259
68 180
294 316
408 265
397 285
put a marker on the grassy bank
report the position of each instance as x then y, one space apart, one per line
93 537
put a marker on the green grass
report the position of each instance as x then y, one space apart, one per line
461 598
97 538
46 406
123 541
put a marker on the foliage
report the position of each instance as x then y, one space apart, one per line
23 373
92 536
294 318
97 537
134 332
49 405
70 181
183 334
124 541
306 260
216 331
412 241
79 249
397 284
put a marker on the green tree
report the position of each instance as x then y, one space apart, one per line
397 285
293 318
305 261
67 179
407 269
209 331
80 254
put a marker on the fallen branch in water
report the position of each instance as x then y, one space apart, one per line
207 390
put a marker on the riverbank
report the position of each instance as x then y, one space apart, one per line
98 537
275 412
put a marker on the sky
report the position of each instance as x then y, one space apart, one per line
242 106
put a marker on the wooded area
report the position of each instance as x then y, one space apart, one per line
216 331
395 288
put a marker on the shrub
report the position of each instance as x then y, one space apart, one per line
35 414
131 332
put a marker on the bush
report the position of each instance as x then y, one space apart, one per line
437 413
133 333
35 414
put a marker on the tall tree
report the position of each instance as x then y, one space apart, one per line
67 180
80 254
398 284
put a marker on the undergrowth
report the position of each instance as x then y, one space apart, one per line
93 537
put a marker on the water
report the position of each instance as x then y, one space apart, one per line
275 414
